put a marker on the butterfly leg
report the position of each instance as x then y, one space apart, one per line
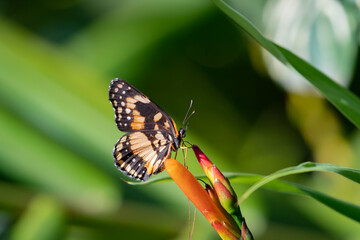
185 154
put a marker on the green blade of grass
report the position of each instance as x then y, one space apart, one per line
344 100
43 219
119 224
56 96
348 209
31 158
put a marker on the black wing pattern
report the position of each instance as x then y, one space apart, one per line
134 111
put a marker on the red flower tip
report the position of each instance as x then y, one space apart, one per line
202 158
211 171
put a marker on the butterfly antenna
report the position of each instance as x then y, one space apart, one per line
187 119
187 113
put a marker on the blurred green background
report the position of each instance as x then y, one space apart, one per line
57 58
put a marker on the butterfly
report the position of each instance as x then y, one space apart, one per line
151 132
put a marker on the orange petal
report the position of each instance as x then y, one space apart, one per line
196 193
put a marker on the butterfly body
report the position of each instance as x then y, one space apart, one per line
151 132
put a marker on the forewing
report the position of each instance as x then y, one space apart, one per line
136 112
140 154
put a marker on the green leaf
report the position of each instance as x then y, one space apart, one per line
344 100
271 182
349 173
348 209
151 181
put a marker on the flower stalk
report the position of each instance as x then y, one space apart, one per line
245 232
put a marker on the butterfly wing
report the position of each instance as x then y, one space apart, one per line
151 131
136 112
142 153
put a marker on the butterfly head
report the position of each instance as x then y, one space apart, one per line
182 130
179 139
182 133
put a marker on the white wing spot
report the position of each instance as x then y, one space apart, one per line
125 124
159 136
123 92
157 116
129 88
128 168
127 110
120 97
131 100
116 90
128 118
123 104
141 99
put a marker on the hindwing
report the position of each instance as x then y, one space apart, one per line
140 154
